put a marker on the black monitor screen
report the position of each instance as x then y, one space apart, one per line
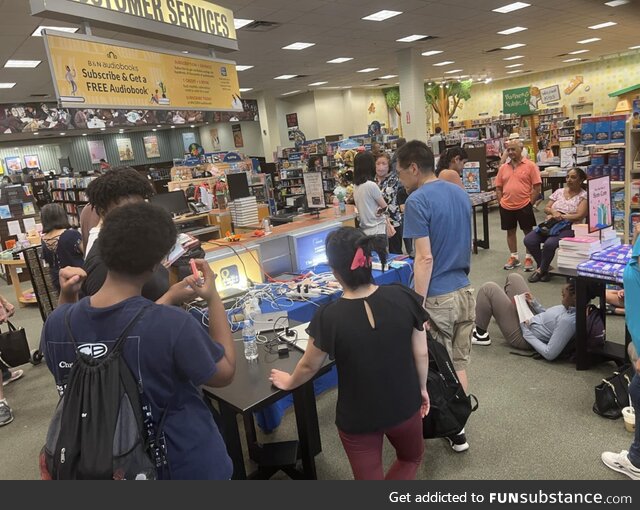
173 202
238 186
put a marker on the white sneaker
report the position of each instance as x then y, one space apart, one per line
478 339
620 462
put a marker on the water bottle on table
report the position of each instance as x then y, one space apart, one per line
249 340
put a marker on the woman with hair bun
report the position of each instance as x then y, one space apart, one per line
376 336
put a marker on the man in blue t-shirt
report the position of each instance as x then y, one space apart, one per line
168 352
437 217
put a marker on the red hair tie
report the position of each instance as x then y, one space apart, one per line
360 260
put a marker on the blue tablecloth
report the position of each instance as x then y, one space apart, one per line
269 418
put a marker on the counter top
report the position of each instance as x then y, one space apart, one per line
300 223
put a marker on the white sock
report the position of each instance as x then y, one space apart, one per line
3 401
461 432
515 254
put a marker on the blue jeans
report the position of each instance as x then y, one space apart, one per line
634 393
543 256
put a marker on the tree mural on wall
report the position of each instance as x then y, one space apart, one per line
445 99
392 98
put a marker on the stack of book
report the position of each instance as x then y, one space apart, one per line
244 212
607 264
576 250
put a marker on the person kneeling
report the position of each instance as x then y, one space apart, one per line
166 349
548 332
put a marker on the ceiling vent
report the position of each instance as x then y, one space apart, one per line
261 26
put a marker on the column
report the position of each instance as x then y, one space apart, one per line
412 101
268 124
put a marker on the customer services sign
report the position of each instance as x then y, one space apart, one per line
97 73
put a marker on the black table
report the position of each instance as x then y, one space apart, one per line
610 351
251 391
484 242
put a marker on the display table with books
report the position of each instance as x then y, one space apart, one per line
574 251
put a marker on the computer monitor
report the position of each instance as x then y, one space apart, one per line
238 186
308 248
173 202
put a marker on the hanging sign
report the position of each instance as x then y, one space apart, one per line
550 94
186 20
517 101
96 73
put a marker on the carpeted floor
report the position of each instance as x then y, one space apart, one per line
534 422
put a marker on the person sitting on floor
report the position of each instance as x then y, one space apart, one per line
548 332
166 348
568 205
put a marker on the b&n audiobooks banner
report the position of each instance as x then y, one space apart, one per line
97 73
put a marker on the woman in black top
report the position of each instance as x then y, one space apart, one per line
61 244
376 335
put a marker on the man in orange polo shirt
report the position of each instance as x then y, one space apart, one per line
518 184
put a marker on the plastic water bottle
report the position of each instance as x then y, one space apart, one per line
336 206
249 341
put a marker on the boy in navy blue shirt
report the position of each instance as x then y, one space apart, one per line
168 352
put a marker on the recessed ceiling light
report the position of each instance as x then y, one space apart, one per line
173 127
185 52
412 38
634 47
192 126
513 46
515 57
318 83
511 7
84 134
577 52
445 63
103 129
339 60
38 31
62 134
431 53
238 23
246 90
243 68
606 24
453 71
159 125
572 60
382 15
513 30
514 72
587 41
292 92
368 69
616 3
285 76
514 65
388 76
7 85
36 133
299 46
27 64
154 130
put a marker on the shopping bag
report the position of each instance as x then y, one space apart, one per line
14 348
612 394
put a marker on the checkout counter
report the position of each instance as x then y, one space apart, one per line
291 247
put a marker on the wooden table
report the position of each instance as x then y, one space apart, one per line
11 266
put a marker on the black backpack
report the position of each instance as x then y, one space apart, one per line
450 405
98 431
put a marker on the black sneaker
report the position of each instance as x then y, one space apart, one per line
458 442
6 416
480 339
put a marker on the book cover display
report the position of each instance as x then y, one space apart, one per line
471 177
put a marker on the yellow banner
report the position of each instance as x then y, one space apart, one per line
95 74
198 15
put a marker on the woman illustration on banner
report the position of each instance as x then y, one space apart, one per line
71 78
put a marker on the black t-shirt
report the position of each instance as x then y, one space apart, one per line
96 271
378 385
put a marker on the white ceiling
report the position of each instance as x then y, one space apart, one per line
466 29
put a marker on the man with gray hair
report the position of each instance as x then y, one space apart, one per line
518 184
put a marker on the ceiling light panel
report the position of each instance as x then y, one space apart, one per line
285 76
514 65
578 52
382 15
515 57
514 72
453 71
38 31
616 3
511 7
431 53
298 46
7 85
318 83
368 69
292 92
243 68
411 38
388 76
606 24
246 90
592 40
27 64
238 23
513 30
339 60
513 46
444 63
